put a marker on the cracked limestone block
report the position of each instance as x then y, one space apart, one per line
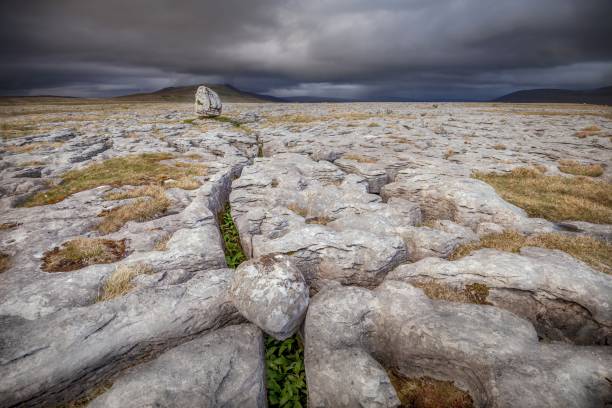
353 335
207 102
321 217
57 358
271 292
465 201
222 368
564 298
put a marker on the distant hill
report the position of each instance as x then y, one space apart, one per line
600 96
227 92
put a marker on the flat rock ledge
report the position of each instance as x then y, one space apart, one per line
353 335
564 298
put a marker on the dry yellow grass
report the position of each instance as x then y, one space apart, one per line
162 243
588 131
449 153
8 225
120 282
89 396
596 253
303 212
499 146
4 261
475 293
578 169
555 198
132 170
358 158
81 252
31 147
425 392
301 118
142 209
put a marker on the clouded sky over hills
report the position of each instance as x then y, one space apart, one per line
410 49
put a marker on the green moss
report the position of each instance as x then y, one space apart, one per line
234 255
285 374
226 119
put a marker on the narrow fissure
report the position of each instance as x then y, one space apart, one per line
285 373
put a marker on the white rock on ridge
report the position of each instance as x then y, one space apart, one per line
207 102
272 293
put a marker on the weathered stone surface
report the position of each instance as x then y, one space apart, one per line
56 358
223 368
207 102
270 292
466 201
314 197
289 204
562 297
352 334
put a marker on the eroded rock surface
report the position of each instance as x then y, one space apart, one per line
374 196
353 334
272 293
562 297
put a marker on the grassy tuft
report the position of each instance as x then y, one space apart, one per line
449 153
226 119
588 131
89 396
425 392
142 209
81 252
555 198
577 169
285 374
234 255
162 243
499 146
596 253
120 282
359 158
4 261
476 293
135 170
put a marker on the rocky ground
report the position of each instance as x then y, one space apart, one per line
115 289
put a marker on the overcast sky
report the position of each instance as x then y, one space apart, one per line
409 49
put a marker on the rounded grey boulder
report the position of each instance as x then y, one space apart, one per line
272 293
207 102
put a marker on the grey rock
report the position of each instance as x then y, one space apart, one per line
352 334
207 102
58 358
270 292
564 298
223 368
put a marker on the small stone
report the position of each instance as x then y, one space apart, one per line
207 102
271 292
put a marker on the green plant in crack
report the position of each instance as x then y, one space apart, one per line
286 378
234 255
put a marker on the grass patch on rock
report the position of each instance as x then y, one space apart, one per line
425 392
81 252
135 170
285 373
4 261
596 253
475 293
154 205
234 255
120 282
555 198
578 169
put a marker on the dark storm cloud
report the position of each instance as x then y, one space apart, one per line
394 48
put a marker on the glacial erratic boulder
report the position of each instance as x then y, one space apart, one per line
207 102
271 292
